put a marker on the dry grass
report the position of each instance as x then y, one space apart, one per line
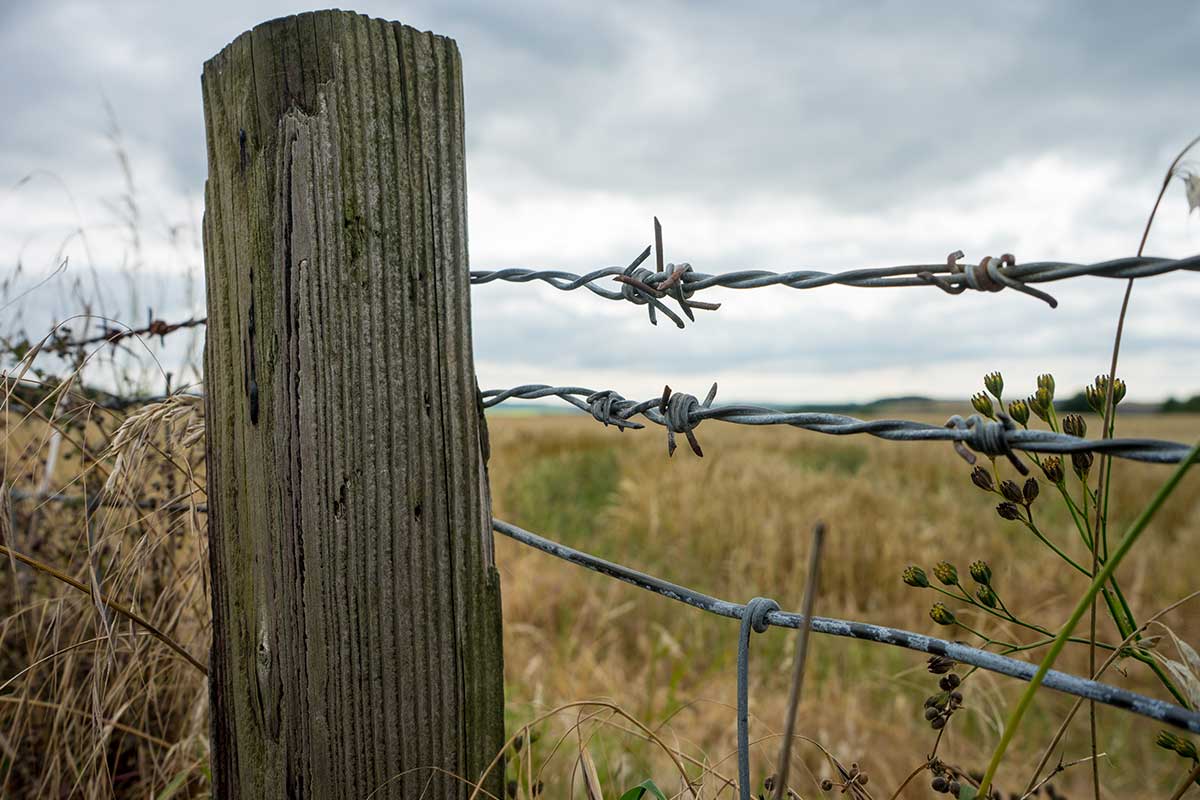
91 706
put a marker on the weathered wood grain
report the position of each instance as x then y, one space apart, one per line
356 606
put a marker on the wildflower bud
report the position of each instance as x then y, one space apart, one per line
1008 511
949 681
987 596
981 573
769 783
983 404
954 788
1030 490
915 576
1176 743
1039 407
1074 425
1019 411
1046 382
1011 491
938 723
941 615
1053 468
956 698
994 383
945 572
931 712
940 665
1082 463
1118 391
1095 400
940 785
861 778
982 478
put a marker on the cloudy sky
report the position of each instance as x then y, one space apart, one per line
777 136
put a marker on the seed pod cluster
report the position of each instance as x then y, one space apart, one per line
939 707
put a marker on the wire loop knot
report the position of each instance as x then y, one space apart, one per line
601 406
986 436
989 275
754 618
678 411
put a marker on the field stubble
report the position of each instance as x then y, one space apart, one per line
99 716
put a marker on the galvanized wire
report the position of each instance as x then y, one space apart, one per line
682 413
989 275
1106 694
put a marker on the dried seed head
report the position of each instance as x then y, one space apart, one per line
1082 462
1011 491
1019 411
941 615
954 788
982 478
769 783
940 665
861 778
1008 511
983 404
981 573
1074 425
938 723
987 596
949 681
994 383
1053 468
945 572
826 785
931 712
940 785
1030 490
915 576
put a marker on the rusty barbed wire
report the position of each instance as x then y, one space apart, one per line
155 327
682 413
680 282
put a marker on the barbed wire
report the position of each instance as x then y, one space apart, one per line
680 282
682 413
1067 683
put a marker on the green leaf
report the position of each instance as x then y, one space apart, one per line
174 786
645 787
967 792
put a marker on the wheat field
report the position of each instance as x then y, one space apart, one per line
93 706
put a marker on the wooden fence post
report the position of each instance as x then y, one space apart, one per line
356 605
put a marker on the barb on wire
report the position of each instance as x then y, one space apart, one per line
1156 709
62 343
681 282
682 413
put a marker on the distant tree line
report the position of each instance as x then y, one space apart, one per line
1177 406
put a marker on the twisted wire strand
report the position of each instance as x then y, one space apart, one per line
1104 693
989 275
981 435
